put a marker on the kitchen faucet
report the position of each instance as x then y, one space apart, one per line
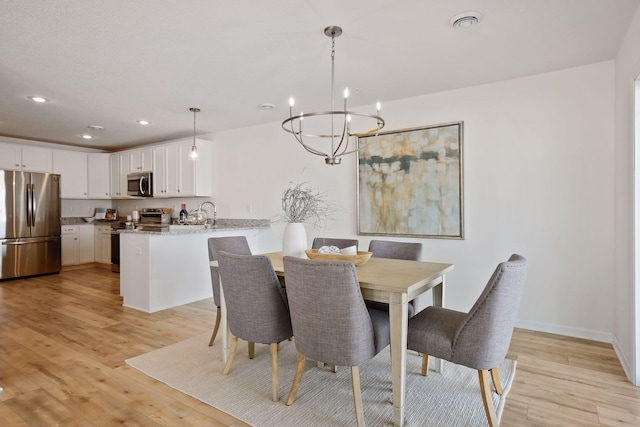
214 210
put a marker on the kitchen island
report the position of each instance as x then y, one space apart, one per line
164 269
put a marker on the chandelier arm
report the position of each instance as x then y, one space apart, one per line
344 132
309 149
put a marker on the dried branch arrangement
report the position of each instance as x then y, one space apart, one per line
301 203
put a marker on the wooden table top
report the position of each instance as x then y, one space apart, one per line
389 275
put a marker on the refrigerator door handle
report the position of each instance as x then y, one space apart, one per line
33 206
28 201
17 242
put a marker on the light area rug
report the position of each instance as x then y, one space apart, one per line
450 398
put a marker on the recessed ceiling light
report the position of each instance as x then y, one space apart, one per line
144 122
38 98
267 106
466 19
86 136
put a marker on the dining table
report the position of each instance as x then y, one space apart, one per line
392 281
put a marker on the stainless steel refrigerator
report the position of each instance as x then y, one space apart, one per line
29 224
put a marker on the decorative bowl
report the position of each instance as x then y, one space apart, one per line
88 219
360 258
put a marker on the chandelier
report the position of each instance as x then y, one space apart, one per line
340 131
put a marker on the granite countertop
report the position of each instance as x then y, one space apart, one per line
223 224
77 220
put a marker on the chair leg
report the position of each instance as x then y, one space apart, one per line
252 349
215 328
232 352
274 371
302 359
357 395
485 390
425 365
495 376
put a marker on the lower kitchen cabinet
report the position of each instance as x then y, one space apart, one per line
70 245
85 243
102 242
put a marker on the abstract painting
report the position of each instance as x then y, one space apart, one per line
410 182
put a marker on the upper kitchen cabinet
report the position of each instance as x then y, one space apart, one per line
72 168
195 174
99 176
176 174
119 167
26 158
141 160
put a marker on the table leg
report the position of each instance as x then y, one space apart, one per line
224 328
438 301
398 314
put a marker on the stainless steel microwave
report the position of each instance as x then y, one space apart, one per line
140 184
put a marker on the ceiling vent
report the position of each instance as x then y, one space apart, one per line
465 19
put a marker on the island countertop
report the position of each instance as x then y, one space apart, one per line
223 224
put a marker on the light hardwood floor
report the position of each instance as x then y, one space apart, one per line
64 339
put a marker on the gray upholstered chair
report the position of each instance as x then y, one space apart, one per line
319 242
394 250
330 320
231 244
479 339
256 305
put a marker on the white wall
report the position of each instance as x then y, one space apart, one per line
627 301
538 165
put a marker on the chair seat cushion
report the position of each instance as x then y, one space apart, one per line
383 306
381 329
432 331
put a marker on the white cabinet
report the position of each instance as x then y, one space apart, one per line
98 175
77 244
119 166
196 178
159 172
72 167
26 158
70 245
176 174
141 160
166 171
86 246
102 242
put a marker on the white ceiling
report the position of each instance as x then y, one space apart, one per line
110 63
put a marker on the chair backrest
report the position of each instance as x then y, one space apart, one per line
483 338
330 320
319 242
395 250
256 307
231 244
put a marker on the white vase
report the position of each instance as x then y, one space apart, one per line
294 242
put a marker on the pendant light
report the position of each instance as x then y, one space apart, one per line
194 147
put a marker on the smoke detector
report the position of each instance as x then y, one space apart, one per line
465 19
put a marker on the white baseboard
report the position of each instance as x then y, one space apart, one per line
564 330
626 365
